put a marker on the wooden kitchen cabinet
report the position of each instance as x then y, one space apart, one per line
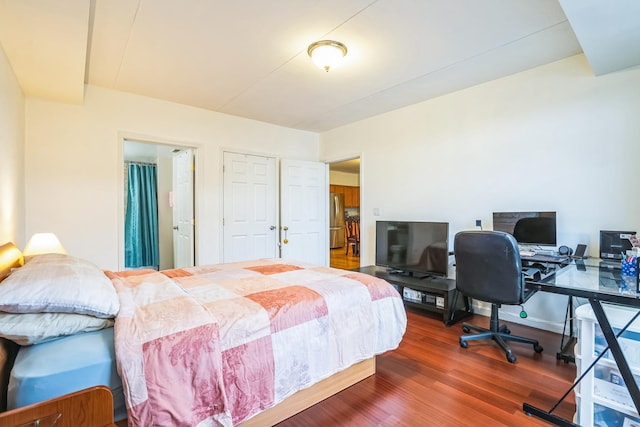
348 197
351 194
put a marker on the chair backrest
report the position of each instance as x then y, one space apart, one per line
347 228
356 229
488 267
352 229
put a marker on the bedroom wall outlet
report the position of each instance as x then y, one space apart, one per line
376 211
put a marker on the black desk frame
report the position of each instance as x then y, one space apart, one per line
595 299
552 264
566 348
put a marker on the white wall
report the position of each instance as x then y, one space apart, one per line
551 138
74 164
12 125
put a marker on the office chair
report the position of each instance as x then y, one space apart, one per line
488 268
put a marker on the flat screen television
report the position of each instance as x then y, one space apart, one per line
415 248
528 228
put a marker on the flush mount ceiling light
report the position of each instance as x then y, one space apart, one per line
327 54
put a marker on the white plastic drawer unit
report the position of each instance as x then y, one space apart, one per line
608 384
602 398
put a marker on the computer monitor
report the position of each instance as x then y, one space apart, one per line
615 244
528 228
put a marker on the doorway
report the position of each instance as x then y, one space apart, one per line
344 188
174 200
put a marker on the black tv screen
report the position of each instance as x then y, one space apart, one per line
528 228
413 247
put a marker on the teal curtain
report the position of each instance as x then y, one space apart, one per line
141 220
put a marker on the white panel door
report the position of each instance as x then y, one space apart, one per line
304 198
249 207
183 218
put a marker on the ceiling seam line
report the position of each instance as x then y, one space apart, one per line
230 100
295 125
133 21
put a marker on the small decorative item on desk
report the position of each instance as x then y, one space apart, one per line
630 272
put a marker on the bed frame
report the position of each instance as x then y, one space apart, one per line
89 407
303 399
11 257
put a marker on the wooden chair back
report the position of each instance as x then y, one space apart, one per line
352 232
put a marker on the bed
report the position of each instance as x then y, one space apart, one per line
248 343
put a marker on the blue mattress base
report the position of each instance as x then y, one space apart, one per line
51 369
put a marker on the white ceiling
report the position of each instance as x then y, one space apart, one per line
349 166
248 57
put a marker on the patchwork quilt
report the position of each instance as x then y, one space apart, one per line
215 345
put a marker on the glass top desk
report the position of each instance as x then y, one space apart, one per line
599 282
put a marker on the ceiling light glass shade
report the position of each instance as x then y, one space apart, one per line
43 243
327 54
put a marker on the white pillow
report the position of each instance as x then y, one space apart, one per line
34 328
57 283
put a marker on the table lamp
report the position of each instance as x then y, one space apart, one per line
43 243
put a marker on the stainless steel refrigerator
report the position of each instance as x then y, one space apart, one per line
336 220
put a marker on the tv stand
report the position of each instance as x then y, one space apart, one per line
430 293
407 273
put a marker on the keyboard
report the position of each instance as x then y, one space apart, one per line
545 258
527 253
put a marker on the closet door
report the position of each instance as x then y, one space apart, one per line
249 207
251 204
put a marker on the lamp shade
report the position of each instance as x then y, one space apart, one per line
43 243
327 54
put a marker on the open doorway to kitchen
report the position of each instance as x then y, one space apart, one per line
344 214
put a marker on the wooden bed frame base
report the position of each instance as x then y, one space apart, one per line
303 399
89 407
95 405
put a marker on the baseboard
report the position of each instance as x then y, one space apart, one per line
483 309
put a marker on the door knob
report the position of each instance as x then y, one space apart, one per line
175 227
273 227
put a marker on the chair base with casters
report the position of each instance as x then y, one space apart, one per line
499 333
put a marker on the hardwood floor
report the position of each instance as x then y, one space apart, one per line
430 380
340 259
